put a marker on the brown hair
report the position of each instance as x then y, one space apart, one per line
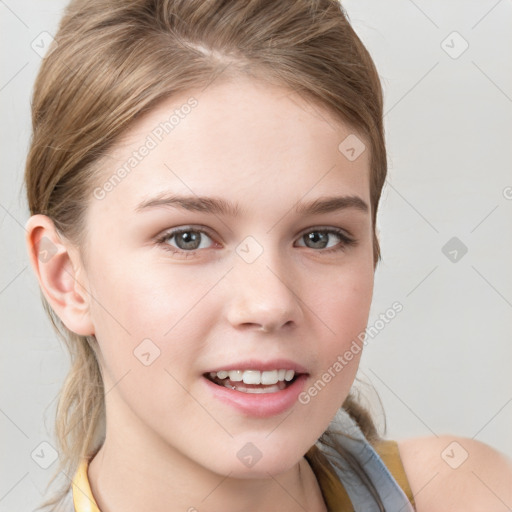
113 61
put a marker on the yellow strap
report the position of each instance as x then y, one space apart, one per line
83 499
390 455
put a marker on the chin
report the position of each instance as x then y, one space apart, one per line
259 471
251 462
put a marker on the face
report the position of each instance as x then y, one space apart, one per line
212 253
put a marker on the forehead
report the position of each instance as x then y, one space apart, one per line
262 143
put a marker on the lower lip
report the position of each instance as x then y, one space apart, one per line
261 405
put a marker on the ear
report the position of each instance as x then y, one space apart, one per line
59 270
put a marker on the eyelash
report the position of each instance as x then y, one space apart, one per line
345 241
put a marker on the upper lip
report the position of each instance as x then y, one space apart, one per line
253 364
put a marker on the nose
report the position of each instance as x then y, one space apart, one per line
262 296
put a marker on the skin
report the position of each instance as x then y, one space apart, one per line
479 477
167 441
169 445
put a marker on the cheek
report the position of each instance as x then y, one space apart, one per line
343 303
149 340
159 305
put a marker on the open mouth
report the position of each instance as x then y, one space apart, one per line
251 381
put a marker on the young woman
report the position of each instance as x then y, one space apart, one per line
204 179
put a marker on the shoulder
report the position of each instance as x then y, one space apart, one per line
456 474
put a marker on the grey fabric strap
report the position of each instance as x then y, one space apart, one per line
391 494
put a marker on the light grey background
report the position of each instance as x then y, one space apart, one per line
443 364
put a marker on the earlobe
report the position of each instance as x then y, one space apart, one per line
60 274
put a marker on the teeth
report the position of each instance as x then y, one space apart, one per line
267 389
267 378
235 375
289 375
252 377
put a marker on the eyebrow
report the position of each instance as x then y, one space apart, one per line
221 206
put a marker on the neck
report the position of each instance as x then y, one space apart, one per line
133 475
